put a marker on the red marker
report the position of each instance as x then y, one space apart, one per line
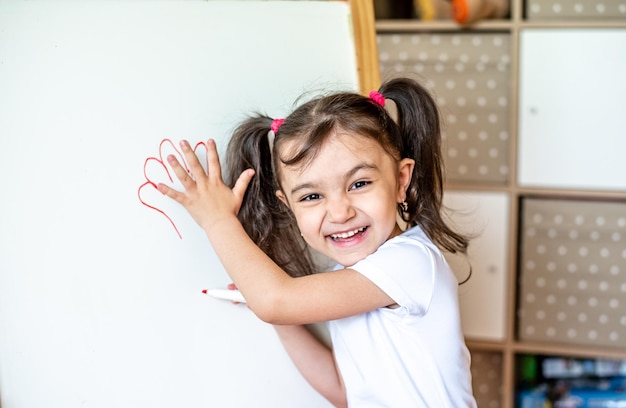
225 294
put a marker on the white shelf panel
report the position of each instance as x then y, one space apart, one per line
572 115
483 298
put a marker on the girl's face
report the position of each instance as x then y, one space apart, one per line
345 200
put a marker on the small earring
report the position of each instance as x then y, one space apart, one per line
404 206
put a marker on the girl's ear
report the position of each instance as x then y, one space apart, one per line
281 197
405 173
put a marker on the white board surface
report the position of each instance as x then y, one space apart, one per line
572 116
100 300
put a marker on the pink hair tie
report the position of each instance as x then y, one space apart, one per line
378 98
276 124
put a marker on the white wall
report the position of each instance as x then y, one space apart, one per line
100 300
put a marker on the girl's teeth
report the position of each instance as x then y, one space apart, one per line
348 234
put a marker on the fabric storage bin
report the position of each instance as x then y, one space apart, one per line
572 271
575 9
469 76
487 378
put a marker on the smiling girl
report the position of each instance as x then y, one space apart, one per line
335 176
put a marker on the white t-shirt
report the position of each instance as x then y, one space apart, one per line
413 355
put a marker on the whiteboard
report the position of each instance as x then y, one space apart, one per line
572 117
100 299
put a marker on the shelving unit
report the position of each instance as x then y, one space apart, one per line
484 154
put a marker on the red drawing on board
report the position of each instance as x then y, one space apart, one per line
163 173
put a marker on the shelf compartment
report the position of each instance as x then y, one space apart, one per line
484 217
571 272
571 111
575 10
469 75
487 378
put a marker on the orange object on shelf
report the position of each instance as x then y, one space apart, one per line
470 11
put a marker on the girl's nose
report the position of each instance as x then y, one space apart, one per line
339 209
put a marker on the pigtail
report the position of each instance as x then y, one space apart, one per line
420 130
266 220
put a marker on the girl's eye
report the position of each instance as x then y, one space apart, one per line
360 184
310 197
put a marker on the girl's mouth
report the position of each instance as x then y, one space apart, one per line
347 235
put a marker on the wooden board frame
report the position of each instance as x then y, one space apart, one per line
365 43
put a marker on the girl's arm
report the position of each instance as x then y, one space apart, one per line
271 294
315 362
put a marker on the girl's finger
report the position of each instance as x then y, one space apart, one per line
241 185
170 192
180 171
213 161
197 171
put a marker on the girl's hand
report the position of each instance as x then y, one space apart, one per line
207 199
